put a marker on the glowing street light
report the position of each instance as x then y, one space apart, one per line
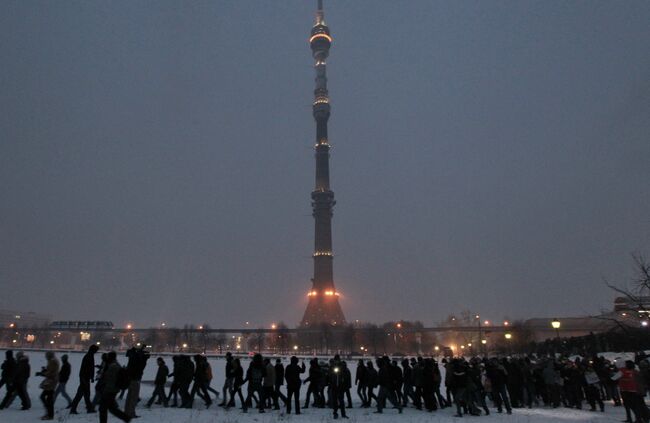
399 325
129 326
274 326
506 323
483 341
508 335
295 347
436 348
556 325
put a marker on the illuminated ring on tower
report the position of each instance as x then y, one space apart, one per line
316 36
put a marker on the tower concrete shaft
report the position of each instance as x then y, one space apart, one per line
323 304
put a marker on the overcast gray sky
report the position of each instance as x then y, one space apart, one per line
156 157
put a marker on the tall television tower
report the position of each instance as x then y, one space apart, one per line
323 304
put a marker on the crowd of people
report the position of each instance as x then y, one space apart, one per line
472 386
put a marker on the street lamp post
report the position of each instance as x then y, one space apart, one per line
478 319
555 323
508 337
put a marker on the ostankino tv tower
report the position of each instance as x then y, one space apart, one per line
323 304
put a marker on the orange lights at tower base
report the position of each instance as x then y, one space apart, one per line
328 293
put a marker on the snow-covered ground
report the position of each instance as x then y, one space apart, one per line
199 414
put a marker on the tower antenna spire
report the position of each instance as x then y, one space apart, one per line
320 15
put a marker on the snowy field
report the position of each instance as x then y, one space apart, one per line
215 414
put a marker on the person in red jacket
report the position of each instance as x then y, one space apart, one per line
632 391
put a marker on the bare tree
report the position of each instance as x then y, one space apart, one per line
636 294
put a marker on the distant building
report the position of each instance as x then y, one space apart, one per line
81 325
23 319
638 304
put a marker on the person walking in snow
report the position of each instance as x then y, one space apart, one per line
159 384
292 375
64 376
50 375
110 390
86 377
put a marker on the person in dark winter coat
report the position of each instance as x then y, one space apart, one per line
7 376
314 379
361 381
408 391
254 376
279 381
109 380
427 385
387 385
498 379
292 376
50 375
86 377
458 384
184 376
372 380
398 377
159 384
64 376
8 369
228 381
173 390
237 381
99 386
135 367
19 384
338 382
477 396
200 386
348 381
418 381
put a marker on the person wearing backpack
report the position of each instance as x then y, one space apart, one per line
113 376
254 376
